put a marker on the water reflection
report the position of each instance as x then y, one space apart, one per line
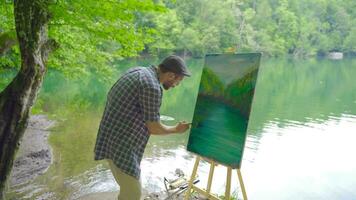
98 179
166 118
154 169
303 161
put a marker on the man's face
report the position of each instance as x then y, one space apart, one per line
172 81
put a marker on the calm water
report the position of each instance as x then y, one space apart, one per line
300 142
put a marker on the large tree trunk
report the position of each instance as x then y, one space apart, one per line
31 18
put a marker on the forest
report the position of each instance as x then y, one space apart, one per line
95 34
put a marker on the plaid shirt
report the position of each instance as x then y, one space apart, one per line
133 100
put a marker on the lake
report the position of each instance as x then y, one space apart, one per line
300 141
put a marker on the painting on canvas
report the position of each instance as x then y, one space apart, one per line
223 107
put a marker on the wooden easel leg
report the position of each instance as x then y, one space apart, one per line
194 173
244 194
210 179
228 183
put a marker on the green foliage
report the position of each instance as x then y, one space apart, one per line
350 40
275 27
210 84
196 27
7 21
167 28
9 59
235 89
94 35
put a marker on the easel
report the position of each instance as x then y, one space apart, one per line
206 192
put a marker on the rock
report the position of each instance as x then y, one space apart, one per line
34 155
179 172
335 55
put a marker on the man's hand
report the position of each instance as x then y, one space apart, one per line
182 126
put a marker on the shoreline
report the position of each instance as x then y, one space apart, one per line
34 155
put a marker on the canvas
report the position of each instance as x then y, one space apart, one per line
223 107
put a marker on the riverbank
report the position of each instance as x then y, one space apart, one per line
34 155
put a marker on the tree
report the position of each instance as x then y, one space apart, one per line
168 28
90 35
31 18
94 34
350 41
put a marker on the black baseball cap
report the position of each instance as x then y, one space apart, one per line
176 65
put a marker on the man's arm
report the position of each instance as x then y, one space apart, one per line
157 128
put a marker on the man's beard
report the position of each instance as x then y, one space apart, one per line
167 85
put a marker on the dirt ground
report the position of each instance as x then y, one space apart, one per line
34 155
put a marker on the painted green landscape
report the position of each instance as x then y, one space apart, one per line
223 107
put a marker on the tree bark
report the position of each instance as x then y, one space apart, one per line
31 18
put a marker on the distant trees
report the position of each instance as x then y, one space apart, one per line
98 33
275 27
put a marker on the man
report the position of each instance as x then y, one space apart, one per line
131 115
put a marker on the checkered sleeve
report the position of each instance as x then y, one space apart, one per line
150 99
